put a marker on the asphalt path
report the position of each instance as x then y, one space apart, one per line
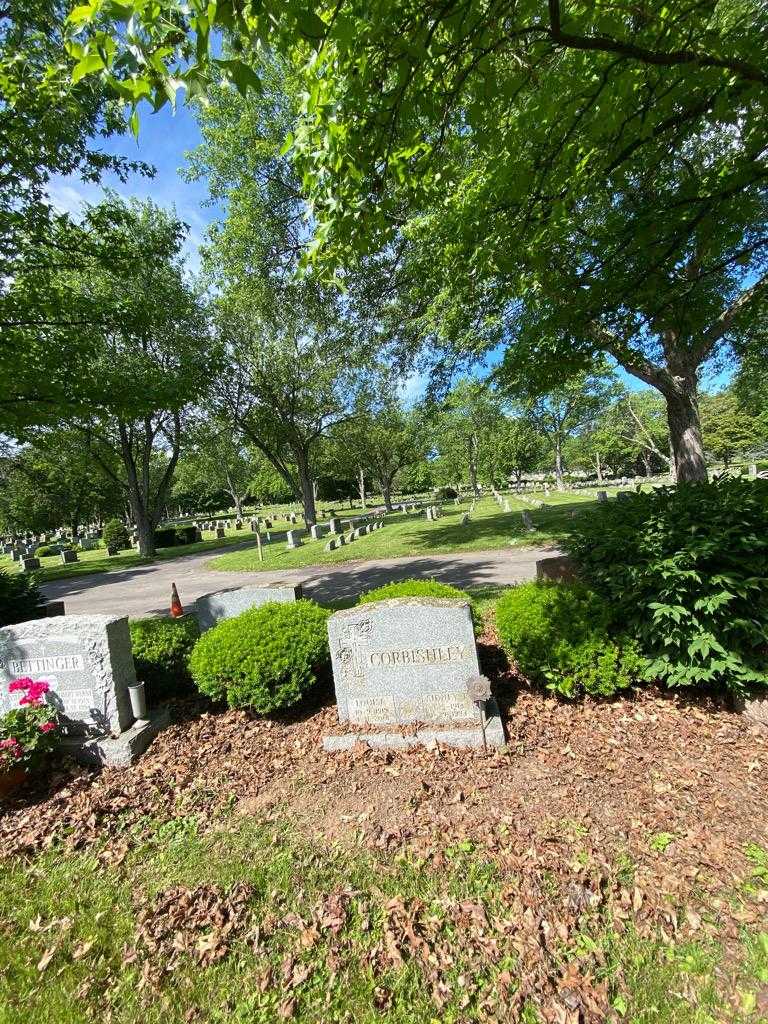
146 589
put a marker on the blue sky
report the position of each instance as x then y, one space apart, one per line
164 138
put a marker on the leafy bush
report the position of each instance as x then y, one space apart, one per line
115 535
413 588
557 633
46 550
685 570
417 588
19 598
446 492
172 536
161 651
264 659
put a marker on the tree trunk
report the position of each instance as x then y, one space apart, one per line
647 463
361 486
599 466
386 490
145 533
472 459
307 490
558 463
685 434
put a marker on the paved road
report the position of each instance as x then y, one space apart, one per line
146 590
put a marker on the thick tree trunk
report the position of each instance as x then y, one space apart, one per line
685 434
307 490
647 464
145 533
599 467
386 490
472 460
558 464
361 486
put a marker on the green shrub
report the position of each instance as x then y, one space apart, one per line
161 651
47 550
173 536
264 659
416 588
557 633
685 571
115 535
19 598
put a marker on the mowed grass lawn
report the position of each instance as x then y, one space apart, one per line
402 535
410 534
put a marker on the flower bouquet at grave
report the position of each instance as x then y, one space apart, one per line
29 732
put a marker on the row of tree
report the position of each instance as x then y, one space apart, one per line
144 464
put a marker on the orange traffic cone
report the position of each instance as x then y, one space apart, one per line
176 609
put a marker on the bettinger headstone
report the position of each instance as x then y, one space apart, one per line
88 663
405 661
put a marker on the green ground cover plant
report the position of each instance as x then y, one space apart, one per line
558 635
685 570
264 659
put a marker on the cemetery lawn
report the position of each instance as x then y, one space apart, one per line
489 528
609 864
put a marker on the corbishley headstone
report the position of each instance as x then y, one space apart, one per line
405 661
88 663
225 604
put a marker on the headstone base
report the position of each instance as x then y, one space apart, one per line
117 751
466 736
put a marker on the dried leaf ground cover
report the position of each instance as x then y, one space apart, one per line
609 865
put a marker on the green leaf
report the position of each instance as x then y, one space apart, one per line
87 66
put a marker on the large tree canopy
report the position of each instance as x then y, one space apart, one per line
590 173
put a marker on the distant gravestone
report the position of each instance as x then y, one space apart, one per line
88 663
556 567
334 525
30 564
293 539
527 521
316 531
225 604
220 532
68 556
602 496
407 661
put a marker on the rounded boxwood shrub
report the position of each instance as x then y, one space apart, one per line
685 571
417 588
413 588
115 535
557 633
265 659
161 650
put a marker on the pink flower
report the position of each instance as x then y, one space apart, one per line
47 726
20 684
34 692
13 746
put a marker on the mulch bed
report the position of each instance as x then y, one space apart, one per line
579 787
